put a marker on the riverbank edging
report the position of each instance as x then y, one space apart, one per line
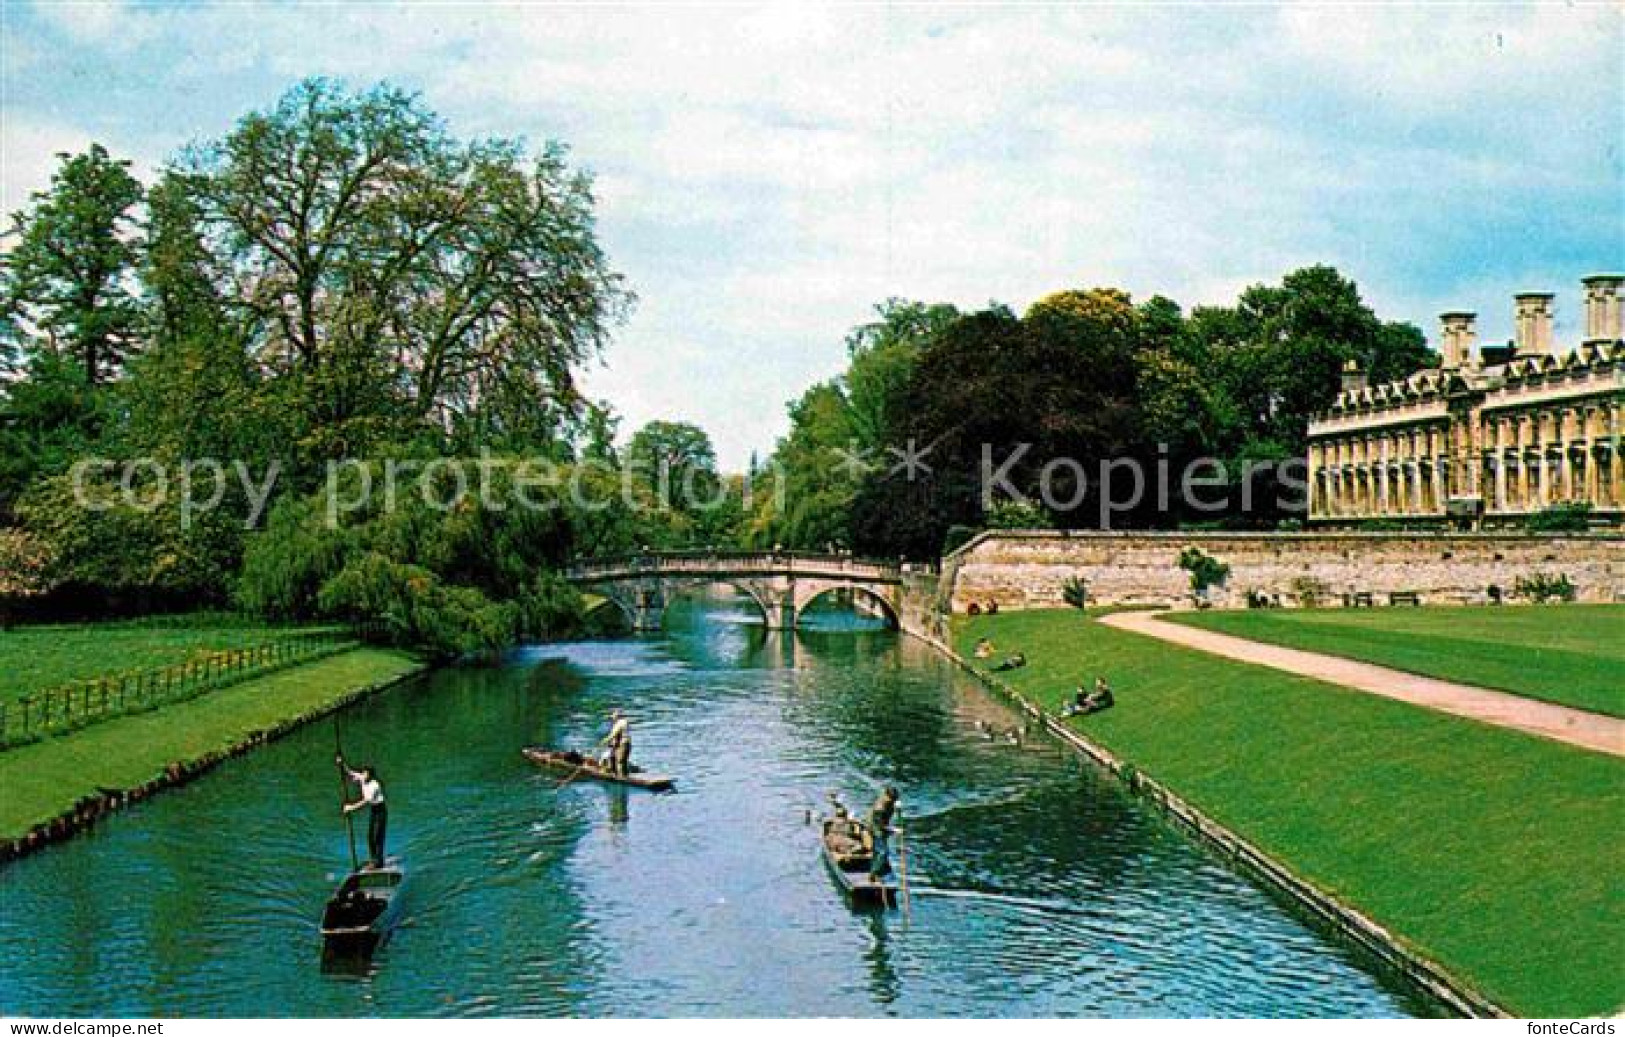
91 809
1375 939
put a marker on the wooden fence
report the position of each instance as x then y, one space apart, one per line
76 705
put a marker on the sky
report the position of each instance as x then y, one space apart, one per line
766 174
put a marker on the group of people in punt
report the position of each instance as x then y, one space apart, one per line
616 758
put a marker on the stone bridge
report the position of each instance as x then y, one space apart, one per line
782 583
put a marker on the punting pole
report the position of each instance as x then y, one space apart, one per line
344 795
902 872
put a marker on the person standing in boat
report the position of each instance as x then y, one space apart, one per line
372 797
880 833
619 744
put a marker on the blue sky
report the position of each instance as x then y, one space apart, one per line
766 174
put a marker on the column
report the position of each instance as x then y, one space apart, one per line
1437 449
1616 467
1382 475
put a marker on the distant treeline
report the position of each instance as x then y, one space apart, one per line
1006 411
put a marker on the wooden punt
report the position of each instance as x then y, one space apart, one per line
848 859
363 910
573 766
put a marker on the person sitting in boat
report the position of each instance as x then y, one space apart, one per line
880 832
372 797
984 648
1014 662
618 744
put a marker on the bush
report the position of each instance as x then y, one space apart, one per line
1010 514
1075 592
1542 587
1206 571
1310 591
1561 518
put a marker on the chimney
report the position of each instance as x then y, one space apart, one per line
1532 323
1456 338
1602 297
1354 379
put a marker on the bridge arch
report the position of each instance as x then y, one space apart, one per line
888 609
780 583
611 602
678 588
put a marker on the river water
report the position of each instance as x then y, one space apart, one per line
1039 887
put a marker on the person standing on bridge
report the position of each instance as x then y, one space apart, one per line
619 744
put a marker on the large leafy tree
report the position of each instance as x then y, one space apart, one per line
882 358
840 430
400 274
1282 348
67 284
1057 384
676 462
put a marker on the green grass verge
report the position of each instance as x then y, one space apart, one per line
1494 853
1569 654
41 780
34 658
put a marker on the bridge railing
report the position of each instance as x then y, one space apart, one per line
736 561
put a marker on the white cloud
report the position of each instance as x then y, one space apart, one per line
766 174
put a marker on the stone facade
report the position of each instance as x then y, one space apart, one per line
1478 444
1018 569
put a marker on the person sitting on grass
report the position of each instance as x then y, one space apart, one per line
1084 703
1014 662
984 648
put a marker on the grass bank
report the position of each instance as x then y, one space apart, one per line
1493 853
35 658
41 781
1573 655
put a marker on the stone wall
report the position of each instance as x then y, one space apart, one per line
1021 569
919 606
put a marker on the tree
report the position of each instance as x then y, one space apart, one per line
814 510
399 273
676 461
882 357
24 570
1057 385
67 284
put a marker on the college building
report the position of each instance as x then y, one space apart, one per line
1490 437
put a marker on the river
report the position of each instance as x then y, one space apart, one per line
1039 886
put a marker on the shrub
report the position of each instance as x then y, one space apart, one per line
1561 518
1075 592
1206 571
1310 591
1542 587
1011 514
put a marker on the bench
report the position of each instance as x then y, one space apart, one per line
1404 598
1359 599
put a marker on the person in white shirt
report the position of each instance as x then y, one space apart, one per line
372 797
619 744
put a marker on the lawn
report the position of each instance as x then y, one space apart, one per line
37 657
43 779
1569 654
1492 852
